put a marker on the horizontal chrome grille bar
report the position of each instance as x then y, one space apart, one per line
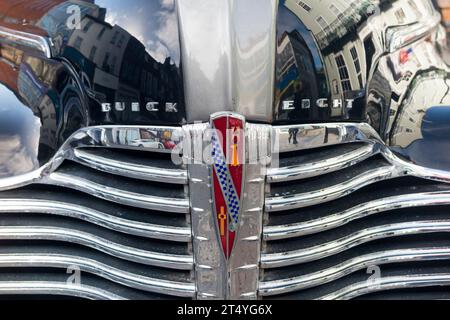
311 136
172 261
282 286
364 210
296 201
118 196
389 283
56 288
313 169
161 286
131 170
102 219
274 260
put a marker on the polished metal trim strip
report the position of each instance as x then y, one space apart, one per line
131 170
283 286
137 228
99 136
244 267
340 190
225 69
311 136
363 210
288 258
209 261
330 134
166 287
389 283
33 41
56 288
164 260
119 196
317 168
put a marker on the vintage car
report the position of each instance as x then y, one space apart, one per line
215 149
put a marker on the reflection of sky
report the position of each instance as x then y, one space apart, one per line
152 22
19 136
288 21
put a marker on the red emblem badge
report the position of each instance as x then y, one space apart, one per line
227 147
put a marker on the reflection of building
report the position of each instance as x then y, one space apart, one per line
31 79
430 90
112 63
332 24
295 59
331 20
101 44
55 21
296 71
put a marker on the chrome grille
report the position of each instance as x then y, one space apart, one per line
120 214
340 207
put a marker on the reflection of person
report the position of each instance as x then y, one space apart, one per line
293 132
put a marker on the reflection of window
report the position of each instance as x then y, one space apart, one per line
78 42
121 41
304 6
336 12
105 65
335 87
114 38
343 73
88 25
415 8
400 15
113 64
357 64
322 23
370 50
92 53
100 35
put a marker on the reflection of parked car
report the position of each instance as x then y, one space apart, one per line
147 143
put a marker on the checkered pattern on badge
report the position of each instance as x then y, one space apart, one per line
225 181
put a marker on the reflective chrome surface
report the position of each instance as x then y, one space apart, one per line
327 249
179 289
229 65
341 197
363 262
103 219
90 240
370 208
390 283
95 95
55 289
